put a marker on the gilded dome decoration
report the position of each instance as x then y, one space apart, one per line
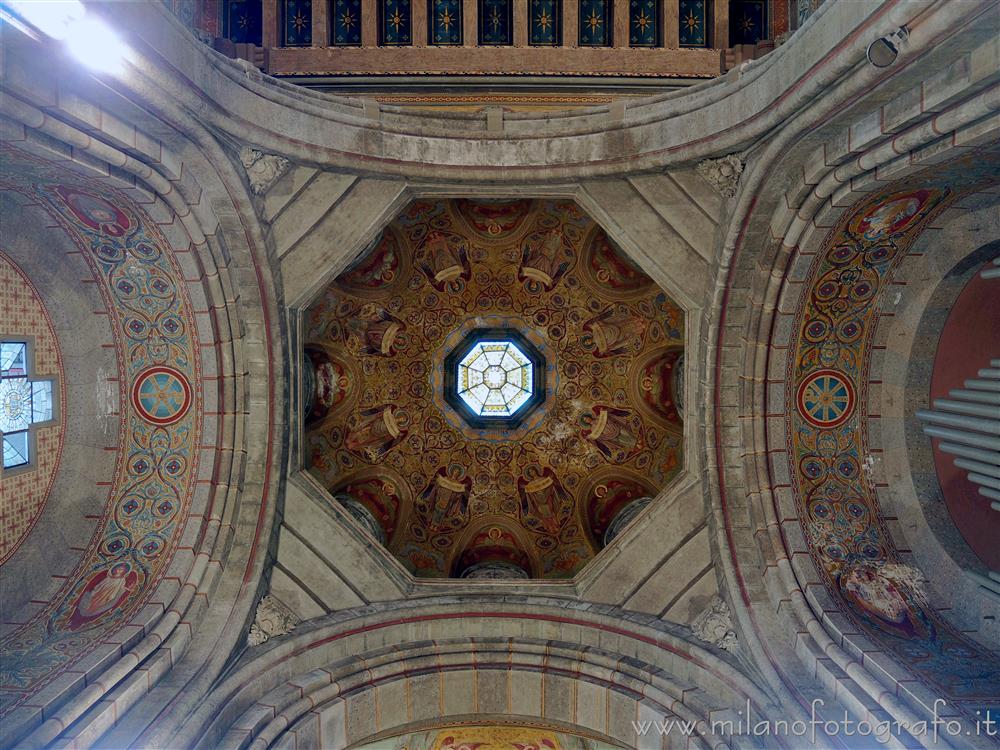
507 353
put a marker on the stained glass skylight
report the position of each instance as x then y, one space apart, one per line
495 378
23 402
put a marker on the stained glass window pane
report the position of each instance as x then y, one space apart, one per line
15 449
544 23
494 378
395 23
15 404
41 401
643 23
12 358
596 21
446 22
496 22
347 23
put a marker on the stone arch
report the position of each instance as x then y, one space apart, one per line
353 675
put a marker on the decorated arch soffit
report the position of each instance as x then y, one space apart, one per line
829 440
160 419
452 491
488 737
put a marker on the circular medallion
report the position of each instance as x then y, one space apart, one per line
825 399
161 395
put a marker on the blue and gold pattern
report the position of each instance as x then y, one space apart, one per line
150 494
296 20
838 507
596 23
446 22
747 21
692 23
395 23
346 23
643 23
544 23
242 21
496 22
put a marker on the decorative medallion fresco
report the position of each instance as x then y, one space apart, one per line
488 737
452 494
828 435
150 493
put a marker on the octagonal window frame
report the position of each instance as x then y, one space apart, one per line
538 381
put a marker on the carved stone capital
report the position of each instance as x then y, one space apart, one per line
722 174
262 169
272 620
715 625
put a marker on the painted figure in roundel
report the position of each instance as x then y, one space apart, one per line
492 543
545 504
654 379
609 272
444 259
545 257
892 215
96 213
494 219
102 593
332 385
883 603
378 271
616 433
379 490
608 495
444 503
374 432
374 331
615 331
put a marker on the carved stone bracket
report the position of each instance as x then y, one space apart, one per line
272 620
715 625
722 174
262 169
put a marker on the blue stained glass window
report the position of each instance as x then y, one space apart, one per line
445 20
747 21
644 23
23 403
297 23
346 23
596 23
692 22
242 21
496 22
545 23
395 23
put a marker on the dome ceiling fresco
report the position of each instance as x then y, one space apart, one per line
449 494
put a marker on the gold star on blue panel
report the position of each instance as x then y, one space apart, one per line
692 32
544 23
595 23
297 22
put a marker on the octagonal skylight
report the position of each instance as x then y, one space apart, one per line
494 378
